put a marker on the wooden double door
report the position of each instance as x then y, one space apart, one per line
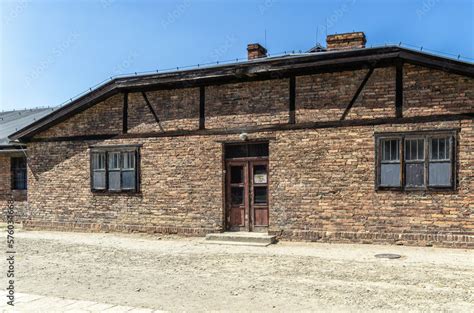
247 195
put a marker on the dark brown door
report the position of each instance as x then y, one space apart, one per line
247 195
237 195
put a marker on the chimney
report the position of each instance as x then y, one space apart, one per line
346 41
255 51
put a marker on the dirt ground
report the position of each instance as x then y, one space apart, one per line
186 275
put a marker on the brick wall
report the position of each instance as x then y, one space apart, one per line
330 192
247 104
5 174
324 97
5 181
177 109
317 194
321 180
319 97
377 98
429 92
63 196
103 118
181 187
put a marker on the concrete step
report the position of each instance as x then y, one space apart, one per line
234 243
242 238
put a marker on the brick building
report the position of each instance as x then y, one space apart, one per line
344 143
13 174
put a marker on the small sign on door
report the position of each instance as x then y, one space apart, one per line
260 178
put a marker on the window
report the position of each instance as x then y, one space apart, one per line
423 160
98 170
128 170
414 162
246 150
18 173
440 166
390 165
114 169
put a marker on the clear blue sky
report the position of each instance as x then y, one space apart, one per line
52 50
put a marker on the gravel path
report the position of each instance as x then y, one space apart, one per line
186 275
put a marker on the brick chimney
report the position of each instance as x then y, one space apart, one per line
346 41
255 51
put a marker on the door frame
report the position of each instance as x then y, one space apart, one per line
249 214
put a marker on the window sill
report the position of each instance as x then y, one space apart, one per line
419 189
115 193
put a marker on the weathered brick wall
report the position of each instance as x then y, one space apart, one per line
316 194
430 92
5 174
329 192
322 181
20 207
181 187
247 104
319 97
5 180
377 98
324 97
178 187
227 106
177 109
102 118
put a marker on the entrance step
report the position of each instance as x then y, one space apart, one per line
241 238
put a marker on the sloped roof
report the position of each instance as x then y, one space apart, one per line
252 69
12 121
